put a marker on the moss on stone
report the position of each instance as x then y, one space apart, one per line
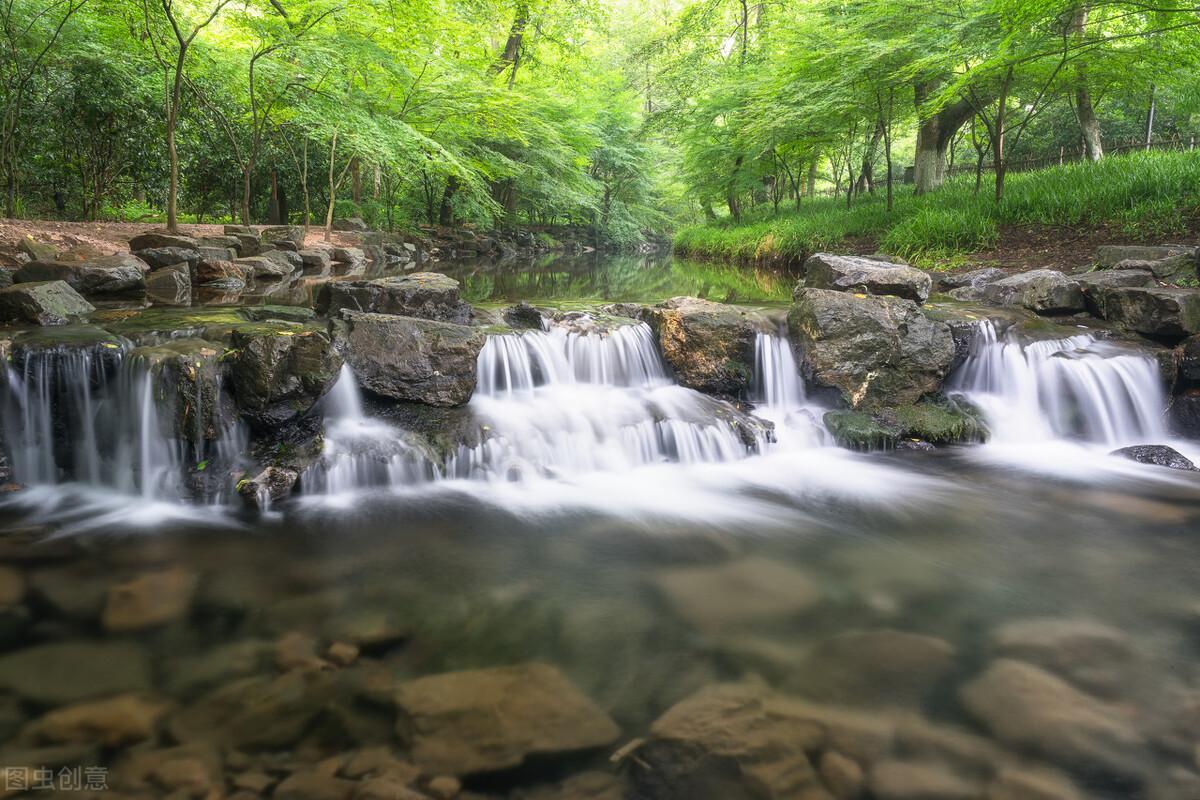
860 431
938 423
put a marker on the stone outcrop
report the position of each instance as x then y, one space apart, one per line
866 275
489 719
1044 291
42 303
1110 255
1155 311
117 274
427 295
279 370
873 350
406 358
709 346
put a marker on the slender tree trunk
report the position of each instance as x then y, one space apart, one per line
172 151
446 210
887 143
1150 117
304 185
332 189
246 193
356 182
1089 124
999 162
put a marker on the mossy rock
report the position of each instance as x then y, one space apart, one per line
858 430
938 423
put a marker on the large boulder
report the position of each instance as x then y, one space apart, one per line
42 303
169 287
291 234
406 358
866 275
873 350
489 719
1155 311
161 238
102 275
264 267
709 346
428 295
1028 708
187 378
974 279
224 274
158 257
1045 291
1093 284
279 370
1172 269
1110 255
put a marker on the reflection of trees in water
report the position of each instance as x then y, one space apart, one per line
613 278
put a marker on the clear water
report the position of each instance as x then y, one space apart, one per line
597 527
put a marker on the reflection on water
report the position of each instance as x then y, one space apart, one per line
614 278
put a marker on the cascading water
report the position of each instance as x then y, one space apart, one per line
780 396
1077 387
560 402
102 415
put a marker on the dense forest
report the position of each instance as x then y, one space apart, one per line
620 116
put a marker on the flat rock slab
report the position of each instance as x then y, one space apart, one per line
102 275
1110 255
1155 311
460 723
1044 291
729 597
42 303
413 359
866 275
154 239
425 295
68 672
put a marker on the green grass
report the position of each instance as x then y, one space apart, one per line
1141 196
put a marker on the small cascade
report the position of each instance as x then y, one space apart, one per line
361 452
779 394
561 402
105 415
1077 387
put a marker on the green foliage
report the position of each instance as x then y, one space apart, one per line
1144 196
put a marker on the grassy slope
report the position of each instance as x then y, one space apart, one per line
1142 196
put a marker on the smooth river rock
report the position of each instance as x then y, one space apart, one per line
866 275
1029 708
406 358
460 723
729 597
1044 291
68 672
1158 455
874 351
1093 656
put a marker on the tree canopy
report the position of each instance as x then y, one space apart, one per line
618 115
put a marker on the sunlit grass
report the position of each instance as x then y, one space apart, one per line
1142 195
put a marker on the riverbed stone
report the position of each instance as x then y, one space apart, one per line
159 257
744 742
292 234
42 303
460 723
729 597
973 279
150 600
406 358
37 251
874 668
1043 291
313 785
1027 707
67 672
874 351
279 370
110 722
709 346
265 267
841 775
1179 269
1093 656
315 258
230 274
867 276
426 295
161 238
1159 455
919 780
260 712
1032 783
1170 312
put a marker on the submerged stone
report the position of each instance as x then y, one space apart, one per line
67 672
484 720
111 722
730 597
149 600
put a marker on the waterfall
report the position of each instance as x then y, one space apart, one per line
103 416
561 402
1077 387
780 397
361 452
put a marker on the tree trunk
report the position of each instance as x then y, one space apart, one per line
356 182
172 151
1089 125
1150 118
999 162
934 134
246 193
446 210
511 57
811 189
332 188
